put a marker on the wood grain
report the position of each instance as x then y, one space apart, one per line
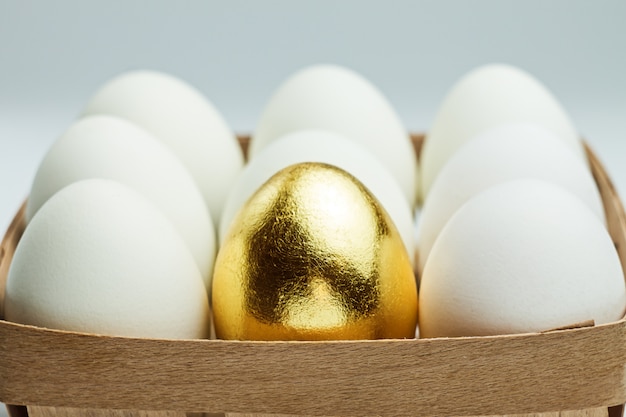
37 411
570 369
613 207
67 374
7 249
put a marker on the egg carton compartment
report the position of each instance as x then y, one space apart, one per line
47 373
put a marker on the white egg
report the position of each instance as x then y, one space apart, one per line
99 258
522 256
337 99
507 152
327 147
181 117
112 148
486 97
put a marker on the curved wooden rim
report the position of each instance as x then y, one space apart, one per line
570 369
557 370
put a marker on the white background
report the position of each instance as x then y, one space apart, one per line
53 55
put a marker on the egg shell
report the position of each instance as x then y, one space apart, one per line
327 147
521 256
337 99
109 147
313 256
503 153
99 258
488 96
183 119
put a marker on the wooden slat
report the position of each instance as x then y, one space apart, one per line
613 207
36 411
7 249
591 412
580 369
570 369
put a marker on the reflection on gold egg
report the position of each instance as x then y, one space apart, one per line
313 256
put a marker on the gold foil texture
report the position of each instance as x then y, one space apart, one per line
313 256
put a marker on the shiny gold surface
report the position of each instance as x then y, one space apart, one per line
312 256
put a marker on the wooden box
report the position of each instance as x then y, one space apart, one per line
47 372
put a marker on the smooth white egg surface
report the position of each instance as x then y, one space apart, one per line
507 152
337 99
486 97
100 258
522 256
109 147
181 117
327 147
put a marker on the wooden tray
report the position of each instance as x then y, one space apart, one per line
49 373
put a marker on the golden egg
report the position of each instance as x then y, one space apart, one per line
313 256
